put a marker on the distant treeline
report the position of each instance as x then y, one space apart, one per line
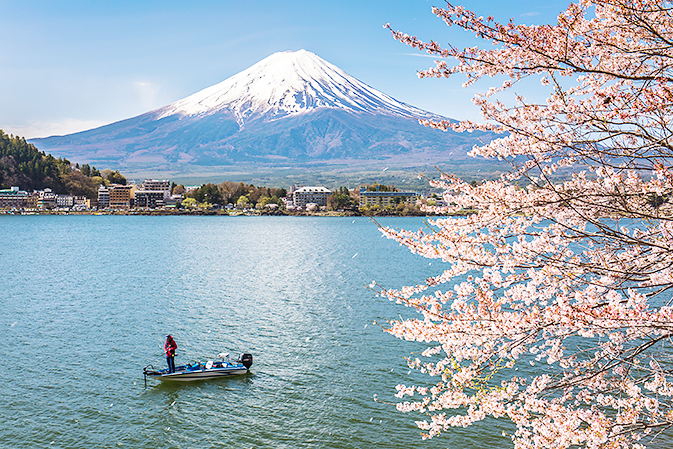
234 193
24 166
376 187
249 195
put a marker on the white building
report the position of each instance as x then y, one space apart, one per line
103 197
304 195
157 185
46 199
13 198
65 201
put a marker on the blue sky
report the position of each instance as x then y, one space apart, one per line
68 66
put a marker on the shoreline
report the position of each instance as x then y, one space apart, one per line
157 213
164 213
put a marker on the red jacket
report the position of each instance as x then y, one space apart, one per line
170 346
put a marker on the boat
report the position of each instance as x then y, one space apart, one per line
198 371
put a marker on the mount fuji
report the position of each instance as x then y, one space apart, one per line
292 109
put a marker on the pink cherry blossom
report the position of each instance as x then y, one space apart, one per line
565 262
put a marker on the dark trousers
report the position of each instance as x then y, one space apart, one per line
171 363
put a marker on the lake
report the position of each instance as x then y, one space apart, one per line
88 300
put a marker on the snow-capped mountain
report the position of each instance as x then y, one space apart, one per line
290 109
289 83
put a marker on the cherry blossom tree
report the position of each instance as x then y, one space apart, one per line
554 310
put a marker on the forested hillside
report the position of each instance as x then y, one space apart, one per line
23 165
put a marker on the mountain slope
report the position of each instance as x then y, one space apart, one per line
292 108
289 83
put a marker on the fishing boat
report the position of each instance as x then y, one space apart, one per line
198 371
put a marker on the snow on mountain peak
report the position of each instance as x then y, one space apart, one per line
289 83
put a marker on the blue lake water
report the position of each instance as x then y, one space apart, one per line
87 300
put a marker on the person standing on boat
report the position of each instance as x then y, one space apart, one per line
170 348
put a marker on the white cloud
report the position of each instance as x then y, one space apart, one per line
46 128
147 94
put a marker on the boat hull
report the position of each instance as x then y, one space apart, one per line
191 373
186 376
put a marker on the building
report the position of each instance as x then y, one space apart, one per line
46 199
103 197
380 198
13 198
65 201
149 198
174 199
163 185
153 193
120 196
80 203
305 195
156 185
31 202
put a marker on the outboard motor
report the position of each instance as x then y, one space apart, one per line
246 360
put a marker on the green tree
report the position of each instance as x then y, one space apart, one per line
207 193
189 203
376 187
23 165
263 201
243 201
280 193
116 178
340 199
76 183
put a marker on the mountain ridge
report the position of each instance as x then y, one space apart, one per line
289 83
289 109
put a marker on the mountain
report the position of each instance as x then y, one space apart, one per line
292 109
